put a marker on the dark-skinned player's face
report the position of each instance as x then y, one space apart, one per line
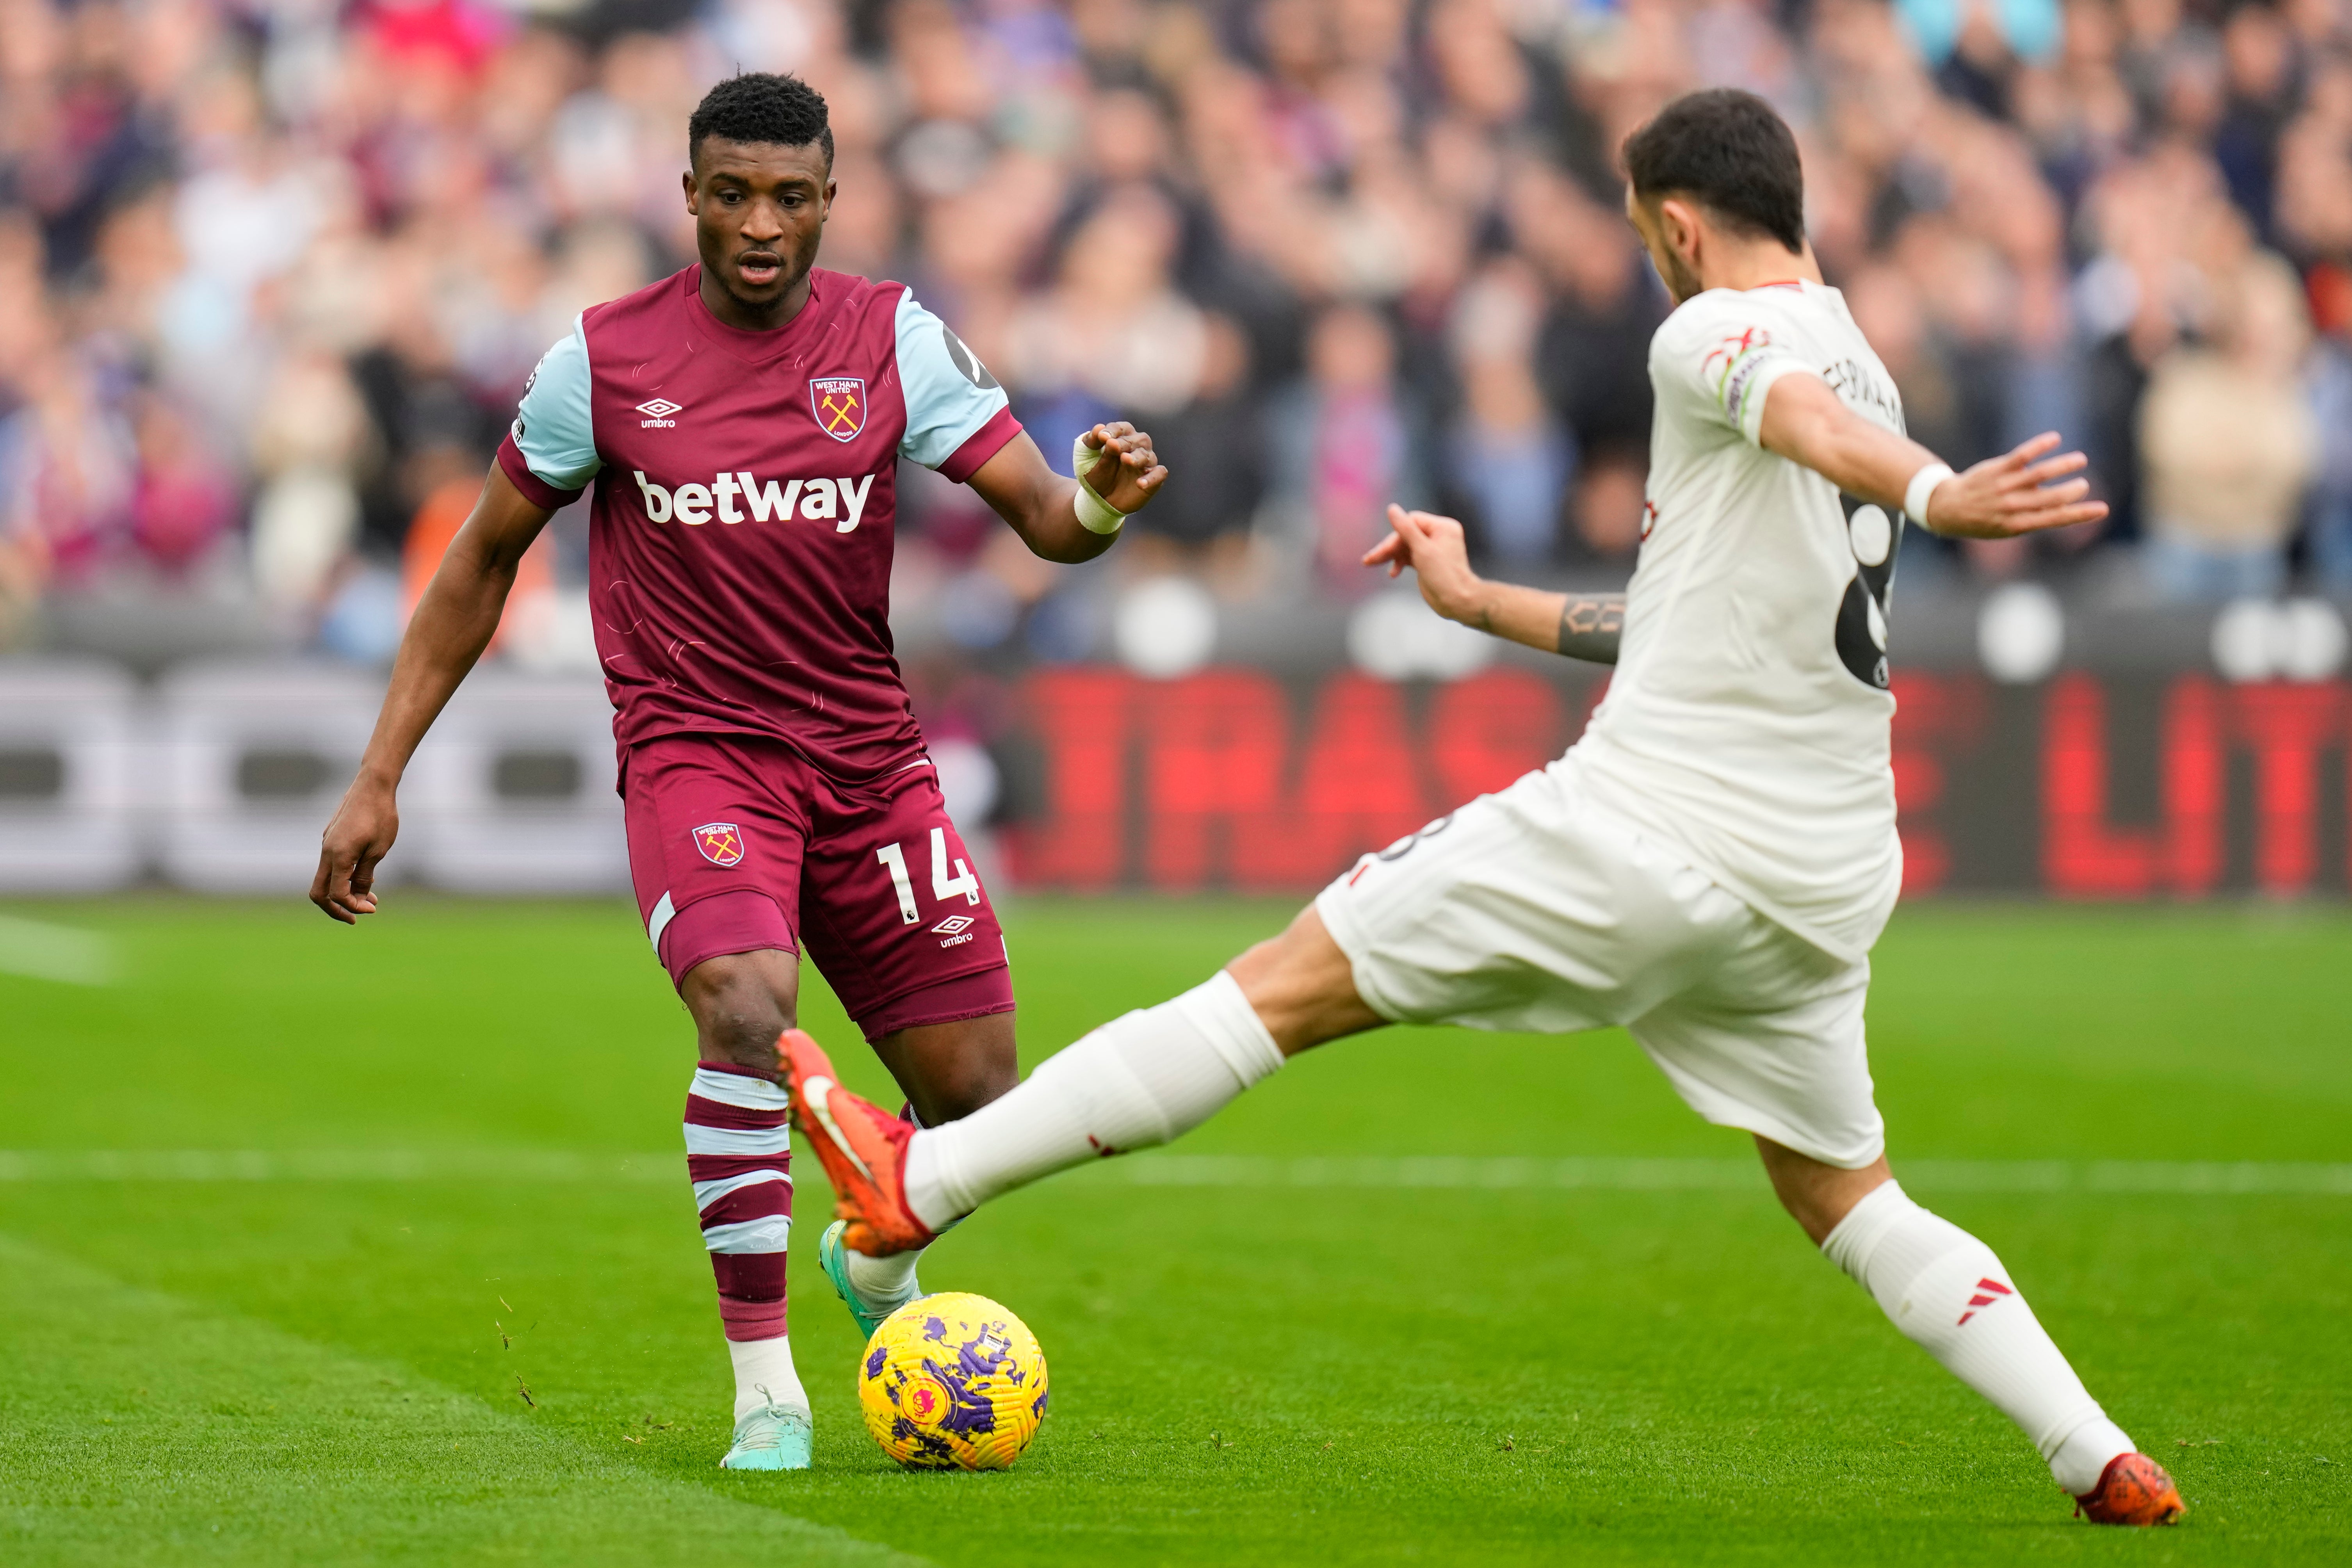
759 212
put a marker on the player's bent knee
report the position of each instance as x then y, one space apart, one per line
740 1003
1302 986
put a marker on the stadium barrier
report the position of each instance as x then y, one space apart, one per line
515 786
220 779
2133 782
252 758
70 777
2097 786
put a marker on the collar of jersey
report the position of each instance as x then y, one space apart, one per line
753 347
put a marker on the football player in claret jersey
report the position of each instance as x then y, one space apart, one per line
739 424
1708 866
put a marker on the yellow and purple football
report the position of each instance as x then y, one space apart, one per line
952 1381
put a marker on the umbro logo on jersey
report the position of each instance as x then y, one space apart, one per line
658 414
841 502
955 925
1988 1292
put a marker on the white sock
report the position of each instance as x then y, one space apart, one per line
884 1282
888 1281
1949 1292
1136 1081
763 1374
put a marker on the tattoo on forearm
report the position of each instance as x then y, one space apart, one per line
1590 625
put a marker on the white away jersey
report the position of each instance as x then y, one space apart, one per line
1748 721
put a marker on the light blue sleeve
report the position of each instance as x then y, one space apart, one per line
552 427
949 394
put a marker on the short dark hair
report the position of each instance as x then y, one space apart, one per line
762 106
1730 152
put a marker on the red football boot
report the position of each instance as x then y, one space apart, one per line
2132 1489
862 1147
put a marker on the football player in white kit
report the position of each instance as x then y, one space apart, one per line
1708 866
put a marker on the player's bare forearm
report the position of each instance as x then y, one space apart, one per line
1507 610
1049 524
2024 490
454 622
1040 505
1581 625
1805 422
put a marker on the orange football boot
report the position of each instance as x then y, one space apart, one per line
2132 1489
862 1147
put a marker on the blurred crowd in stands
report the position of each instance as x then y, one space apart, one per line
273 272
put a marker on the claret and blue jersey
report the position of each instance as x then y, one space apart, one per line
744 502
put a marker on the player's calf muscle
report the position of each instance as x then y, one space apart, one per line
1817 1195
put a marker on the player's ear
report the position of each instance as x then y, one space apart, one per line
692 196
1678 224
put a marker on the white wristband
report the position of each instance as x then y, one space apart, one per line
1096 515
1923 485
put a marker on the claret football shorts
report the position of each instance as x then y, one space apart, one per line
736 844
1535 909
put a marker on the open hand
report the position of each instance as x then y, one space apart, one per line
2013 494
358 838
1136 474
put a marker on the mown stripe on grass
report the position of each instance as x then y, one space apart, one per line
66 954
2156 1176
336 1165
140 1426
2166 1178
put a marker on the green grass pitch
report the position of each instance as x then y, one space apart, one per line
472 1113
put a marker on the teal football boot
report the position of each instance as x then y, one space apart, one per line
770 1439
835 1259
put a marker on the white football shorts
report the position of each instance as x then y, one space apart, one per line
1535 909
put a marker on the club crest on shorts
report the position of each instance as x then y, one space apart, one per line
839 402
722 843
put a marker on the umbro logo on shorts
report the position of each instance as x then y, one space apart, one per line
954 925
1988 1292
722 843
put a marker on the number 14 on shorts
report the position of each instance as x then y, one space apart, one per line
943 887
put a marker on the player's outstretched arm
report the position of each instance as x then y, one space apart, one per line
1121 473
454 622
1580 625
2019 492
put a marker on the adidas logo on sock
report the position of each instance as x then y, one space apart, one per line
1981 1298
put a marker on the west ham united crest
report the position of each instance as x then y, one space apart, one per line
722 843
840 404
